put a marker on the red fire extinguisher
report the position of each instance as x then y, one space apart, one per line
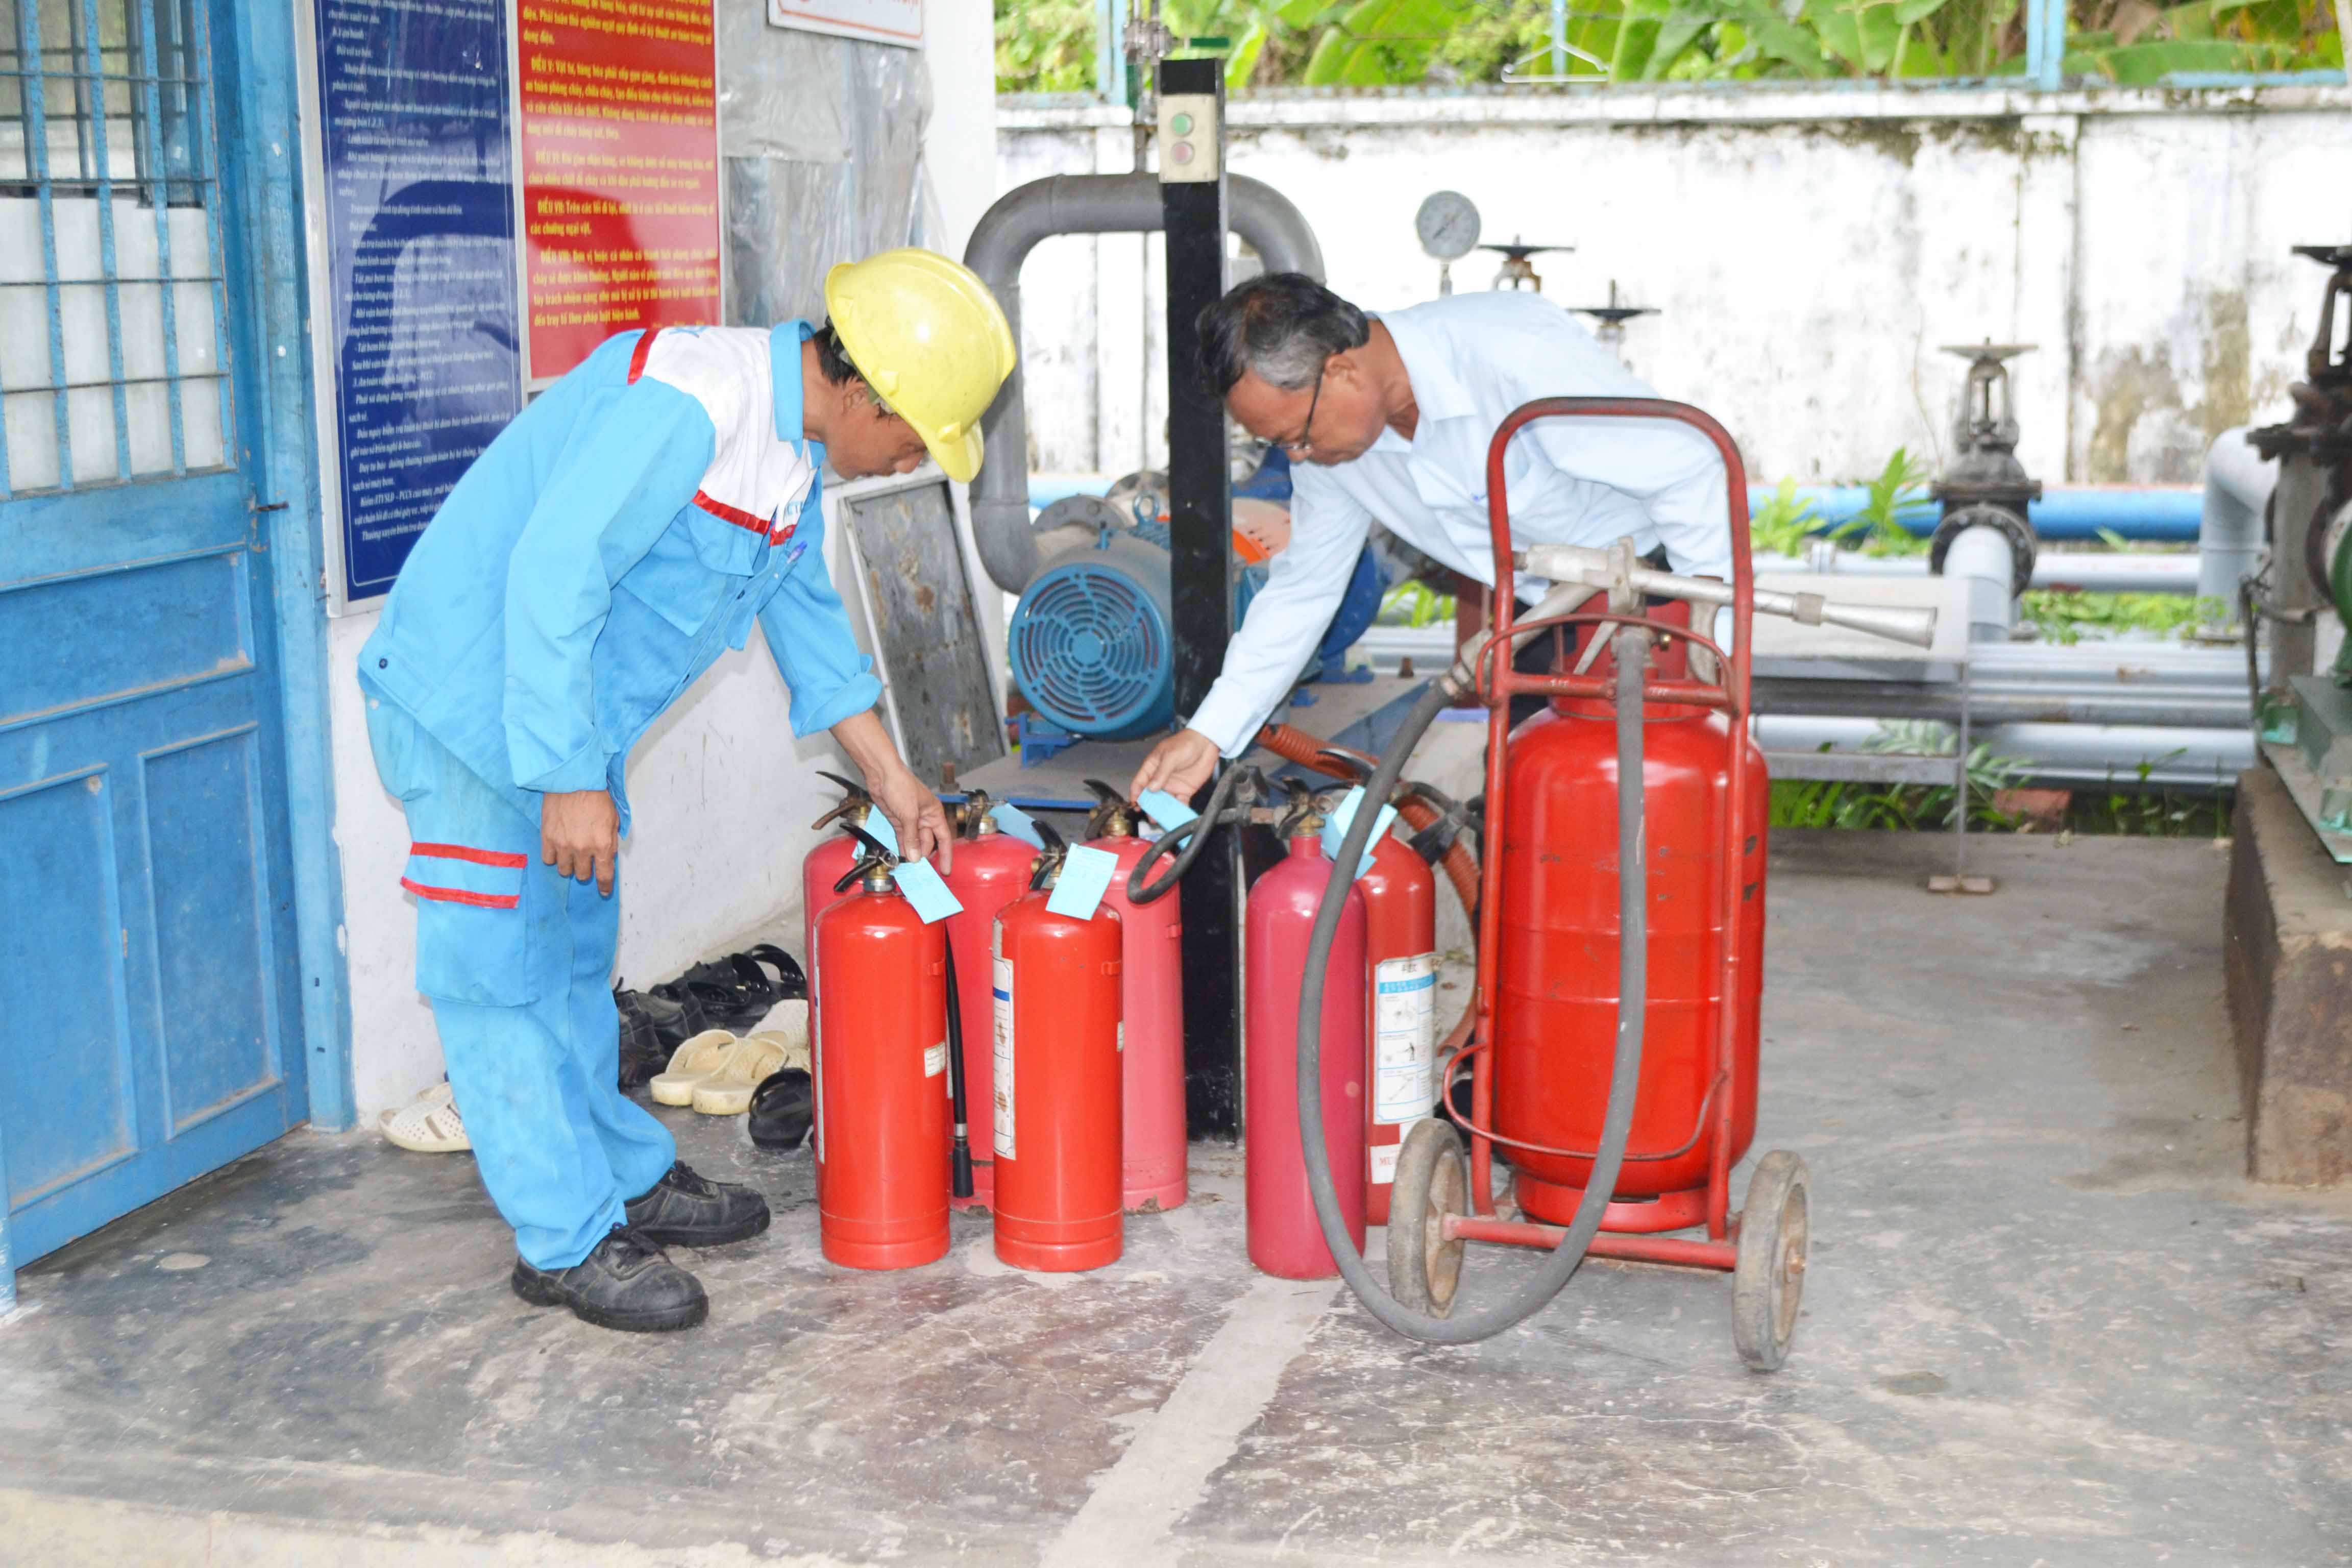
1055 1078
1284 1238
1400 1002
881 1060
1557 958
992 869
1152 1002
1401 1007
830 861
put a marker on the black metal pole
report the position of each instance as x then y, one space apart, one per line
1200 493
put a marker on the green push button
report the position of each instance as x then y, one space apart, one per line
1182 124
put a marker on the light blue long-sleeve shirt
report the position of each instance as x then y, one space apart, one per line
622 533
1472 359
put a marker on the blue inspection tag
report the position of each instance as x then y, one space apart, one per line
1335 828
1013 820
1166 810
877 827
1086 877
926 891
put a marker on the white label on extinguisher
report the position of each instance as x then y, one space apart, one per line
935 1059
1004 1059
1404 1037
1384 1159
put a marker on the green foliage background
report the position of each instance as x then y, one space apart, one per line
1047 46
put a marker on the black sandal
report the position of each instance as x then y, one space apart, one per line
782 1108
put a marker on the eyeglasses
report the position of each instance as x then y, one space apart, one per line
1305 441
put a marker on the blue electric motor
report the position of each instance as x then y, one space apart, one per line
1092 642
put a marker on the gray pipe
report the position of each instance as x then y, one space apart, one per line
2238 485
1082 203
1985 558
2059 753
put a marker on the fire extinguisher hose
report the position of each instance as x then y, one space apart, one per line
1632 986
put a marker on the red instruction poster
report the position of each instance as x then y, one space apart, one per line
619 171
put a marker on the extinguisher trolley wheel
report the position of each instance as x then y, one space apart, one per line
1768 1281
1432 1183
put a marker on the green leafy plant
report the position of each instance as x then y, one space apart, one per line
2063 615
1900 485
1784 525
1387 43
1044 45
1415 604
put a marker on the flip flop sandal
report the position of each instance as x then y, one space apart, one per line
691 1066
788 1031
728 1092
781 1108
429 1124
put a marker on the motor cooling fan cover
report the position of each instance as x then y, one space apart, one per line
1091 644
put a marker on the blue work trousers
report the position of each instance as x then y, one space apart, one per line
517 960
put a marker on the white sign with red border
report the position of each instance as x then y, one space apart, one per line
898 22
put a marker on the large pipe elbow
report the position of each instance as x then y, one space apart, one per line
1000 243
2238 484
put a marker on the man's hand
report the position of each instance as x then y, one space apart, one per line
1180 764
920 820
580 834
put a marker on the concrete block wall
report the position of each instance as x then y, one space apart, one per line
1811 250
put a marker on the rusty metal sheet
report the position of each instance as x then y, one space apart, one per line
926 630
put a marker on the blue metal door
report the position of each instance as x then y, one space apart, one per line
150 1020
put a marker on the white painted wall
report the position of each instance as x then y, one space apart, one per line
720 792
1811 251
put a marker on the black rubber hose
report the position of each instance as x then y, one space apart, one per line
1195 835
1633 990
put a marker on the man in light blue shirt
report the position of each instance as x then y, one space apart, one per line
1388 419
627 527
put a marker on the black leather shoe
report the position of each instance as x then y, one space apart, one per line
627 1283
687 1210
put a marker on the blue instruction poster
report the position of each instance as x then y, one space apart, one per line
419 202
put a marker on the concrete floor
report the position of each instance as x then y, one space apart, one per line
2047 1321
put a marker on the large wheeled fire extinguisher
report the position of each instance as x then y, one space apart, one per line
1151 1000
882 1075
1056 1077
991 868
1284 1239
1709 782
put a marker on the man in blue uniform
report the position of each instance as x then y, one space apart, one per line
626 528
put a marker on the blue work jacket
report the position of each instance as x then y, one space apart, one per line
615 539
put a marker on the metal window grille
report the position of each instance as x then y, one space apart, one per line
113 308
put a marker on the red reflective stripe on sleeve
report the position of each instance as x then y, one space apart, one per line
460 896
461 852
725 513
637 356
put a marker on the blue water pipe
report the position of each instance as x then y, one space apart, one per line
2141 513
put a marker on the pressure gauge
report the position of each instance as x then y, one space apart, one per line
1448 226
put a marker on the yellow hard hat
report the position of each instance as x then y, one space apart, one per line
930 340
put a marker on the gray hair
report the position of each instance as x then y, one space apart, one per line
1283 326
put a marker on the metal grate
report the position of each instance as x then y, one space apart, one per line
113 310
